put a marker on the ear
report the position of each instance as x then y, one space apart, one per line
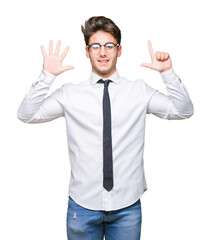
87 51
119 51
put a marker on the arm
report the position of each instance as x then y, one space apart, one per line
35 107
176 105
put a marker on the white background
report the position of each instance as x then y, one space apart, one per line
34 164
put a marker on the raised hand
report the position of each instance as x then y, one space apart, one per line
161 61
53 62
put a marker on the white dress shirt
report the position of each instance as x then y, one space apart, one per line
81 105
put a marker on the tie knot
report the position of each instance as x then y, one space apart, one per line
106 82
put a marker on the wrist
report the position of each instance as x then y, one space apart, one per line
165 70
46 77
47 73
169 75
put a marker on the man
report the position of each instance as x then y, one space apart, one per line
105 119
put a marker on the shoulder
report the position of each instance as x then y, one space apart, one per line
139 85
136 82
75 85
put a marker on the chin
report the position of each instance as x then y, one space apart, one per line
105 72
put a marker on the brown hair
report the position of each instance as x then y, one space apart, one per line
94 24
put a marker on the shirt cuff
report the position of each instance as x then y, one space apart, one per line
45 77
169 75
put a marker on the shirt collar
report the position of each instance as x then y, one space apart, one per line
114 78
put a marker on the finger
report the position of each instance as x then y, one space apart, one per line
151 51
65 52
43 51
166 56
158 56
162 56
68 68
57 48
148 65
51 47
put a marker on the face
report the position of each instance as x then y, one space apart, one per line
103 63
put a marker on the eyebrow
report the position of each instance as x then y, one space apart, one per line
101 44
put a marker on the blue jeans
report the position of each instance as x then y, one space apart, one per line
85 224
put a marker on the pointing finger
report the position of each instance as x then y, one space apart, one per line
152 55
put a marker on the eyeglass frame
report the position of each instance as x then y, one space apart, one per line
115 45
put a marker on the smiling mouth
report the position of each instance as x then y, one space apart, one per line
103 61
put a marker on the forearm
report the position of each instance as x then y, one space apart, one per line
175 105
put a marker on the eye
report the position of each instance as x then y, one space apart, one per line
109 45
95 46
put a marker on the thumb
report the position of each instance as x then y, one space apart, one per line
67 68
148 65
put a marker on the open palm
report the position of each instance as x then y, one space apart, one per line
52 63
161 61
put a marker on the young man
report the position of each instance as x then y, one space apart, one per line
105 119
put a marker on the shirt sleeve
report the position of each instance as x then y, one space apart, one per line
36 107
175 105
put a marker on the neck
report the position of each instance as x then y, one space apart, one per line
104 75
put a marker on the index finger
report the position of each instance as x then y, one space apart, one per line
152 54
65 52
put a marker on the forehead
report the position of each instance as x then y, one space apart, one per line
101 37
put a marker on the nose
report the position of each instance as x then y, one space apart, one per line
102 51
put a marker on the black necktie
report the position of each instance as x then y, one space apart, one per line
107 143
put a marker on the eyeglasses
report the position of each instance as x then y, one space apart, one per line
109 47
